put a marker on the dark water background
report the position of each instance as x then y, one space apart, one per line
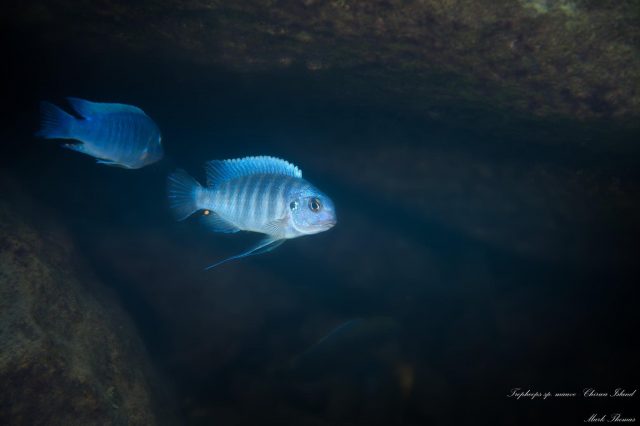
480 262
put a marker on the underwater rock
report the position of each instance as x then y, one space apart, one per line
68 354
562 59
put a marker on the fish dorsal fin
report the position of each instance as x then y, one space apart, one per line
219 171
89 109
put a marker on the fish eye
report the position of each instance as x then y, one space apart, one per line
293 205
315 205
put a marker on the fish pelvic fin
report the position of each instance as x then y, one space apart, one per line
182 191
263 246
55 123
115 164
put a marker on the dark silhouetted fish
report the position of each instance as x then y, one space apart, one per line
351 337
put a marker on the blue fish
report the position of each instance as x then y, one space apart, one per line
115 134
260 194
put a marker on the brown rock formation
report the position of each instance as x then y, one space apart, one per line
68 354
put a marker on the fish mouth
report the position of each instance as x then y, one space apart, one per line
328 224
320 227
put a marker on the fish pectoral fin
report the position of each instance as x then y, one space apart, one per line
263 246
276 227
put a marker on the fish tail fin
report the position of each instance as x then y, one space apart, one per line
55 123
182 191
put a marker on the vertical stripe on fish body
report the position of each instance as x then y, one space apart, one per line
253 202
119 136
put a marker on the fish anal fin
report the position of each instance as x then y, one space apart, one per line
217 224
263 246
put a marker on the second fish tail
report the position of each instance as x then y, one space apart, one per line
55 123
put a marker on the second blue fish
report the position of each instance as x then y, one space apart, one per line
115 134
